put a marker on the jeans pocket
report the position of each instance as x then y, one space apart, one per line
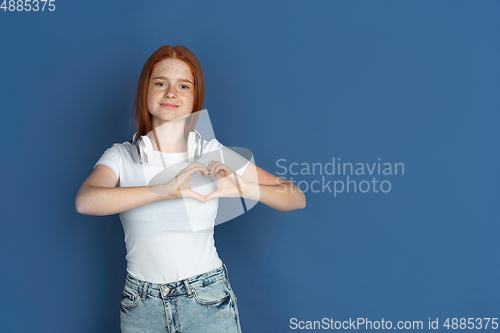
130 298
212 294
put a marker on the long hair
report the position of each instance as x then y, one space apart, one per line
143 117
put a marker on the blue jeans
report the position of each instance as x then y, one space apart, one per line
204 303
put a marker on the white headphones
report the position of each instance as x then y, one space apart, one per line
143 148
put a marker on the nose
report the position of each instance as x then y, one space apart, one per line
170 91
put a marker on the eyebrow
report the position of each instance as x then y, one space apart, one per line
164 78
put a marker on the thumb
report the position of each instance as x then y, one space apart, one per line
195 195
213 195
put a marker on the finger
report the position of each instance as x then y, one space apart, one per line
222 172
192 165
213 165
188 174
185 175
210 164
213 195
205 172
203 169
198 163
219 168
196 195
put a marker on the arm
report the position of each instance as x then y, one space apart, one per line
272 191
258 185
99 195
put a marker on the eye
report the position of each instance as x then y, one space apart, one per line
183 86
161 84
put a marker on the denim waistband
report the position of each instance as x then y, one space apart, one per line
178 287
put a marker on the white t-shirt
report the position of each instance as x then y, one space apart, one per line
169 240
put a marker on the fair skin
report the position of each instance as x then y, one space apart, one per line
170 101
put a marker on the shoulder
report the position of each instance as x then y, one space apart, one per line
117 152
121 148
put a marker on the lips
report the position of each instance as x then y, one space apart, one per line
169 105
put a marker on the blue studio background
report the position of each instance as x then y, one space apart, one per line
411 82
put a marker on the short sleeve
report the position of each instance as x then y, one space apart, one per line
111 157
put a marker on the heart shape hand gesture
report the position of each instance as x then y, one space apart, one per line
230 185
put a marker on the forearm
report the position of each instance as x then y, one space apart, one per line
100 201
283 197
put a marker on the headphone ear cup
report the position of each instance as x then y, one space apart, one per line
191 146
147 150
143 149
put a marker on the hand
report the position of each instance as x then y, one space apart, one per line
230 185
180 186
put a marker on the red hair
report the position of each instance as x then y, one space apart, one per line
144 125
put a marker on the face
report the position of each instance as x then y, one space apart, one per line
171 91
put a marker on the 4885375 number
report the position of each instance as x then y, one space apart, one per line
27 5
471 323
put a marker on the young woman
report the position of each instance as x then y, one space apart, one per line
175 280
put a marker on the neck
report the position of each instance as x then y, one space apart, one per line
168 137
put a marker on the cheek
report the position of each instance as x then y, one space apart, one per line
188 97
153 95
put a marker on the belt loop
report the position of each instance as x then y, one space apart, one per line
228 284
188 288
144 290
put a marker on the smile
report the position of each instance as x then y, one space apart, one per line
169 106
